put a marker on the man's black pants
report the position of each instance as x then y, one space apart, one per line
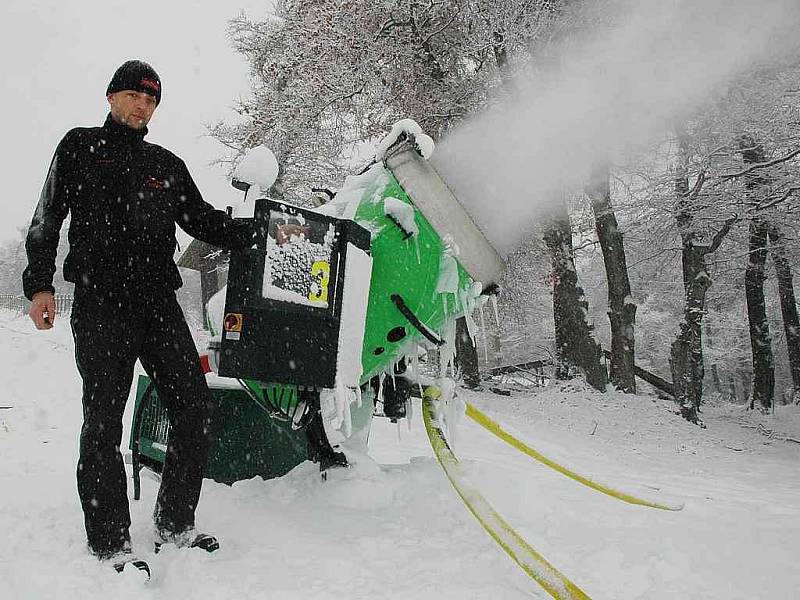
110 334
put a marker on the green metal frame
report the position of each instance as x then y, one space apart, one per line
247 441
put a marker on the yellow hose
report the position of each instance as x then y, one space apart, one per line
490 425
533 563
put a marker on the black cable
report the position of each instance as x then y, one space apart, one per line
412 318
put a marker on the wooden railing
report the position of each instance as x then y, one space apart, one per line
657 382
20 303
12 302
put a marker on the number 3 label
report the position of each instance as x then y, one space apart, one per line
322 268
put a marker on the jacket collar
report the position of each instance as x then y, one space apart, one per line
117 133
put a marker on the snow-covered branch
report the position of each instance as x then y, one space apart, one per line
760 165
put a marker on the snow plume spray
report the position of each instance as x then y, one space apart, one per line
609 94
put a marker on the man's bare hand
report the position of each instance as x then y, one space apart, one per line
43 310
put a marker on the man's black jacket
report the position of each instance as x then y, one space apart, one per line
124 196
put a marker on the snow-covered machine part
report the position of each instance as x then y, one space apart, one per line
356 188
402 214
291 298
403 129
294 260
215 312
258 167
433 198
255 174
355 297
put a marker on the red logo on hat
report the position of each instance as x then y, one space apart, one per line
151 84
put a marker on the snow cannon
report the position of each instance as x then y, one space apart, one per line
329 300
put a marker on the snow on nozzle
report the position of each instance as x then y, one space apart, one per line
405 131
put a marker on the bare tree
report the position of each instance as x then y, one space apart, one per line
621 308
686 352
791 322
760 339
574 344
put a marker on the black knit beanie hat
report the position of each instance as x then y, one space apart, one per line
136 75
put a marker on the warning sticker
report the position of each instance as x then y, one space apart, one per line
233 322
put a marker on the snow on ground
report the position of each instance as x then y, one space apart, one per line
394 528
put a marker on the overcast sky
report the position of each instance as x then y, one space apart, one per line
58 57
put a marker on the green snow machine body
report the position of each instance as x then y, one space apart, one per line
424 259
329 301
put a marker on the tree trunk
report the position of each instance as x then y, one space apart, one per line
791 323
497 346
574 343
760 339
621 309
466 355
732 390
686 353
746 381
715 379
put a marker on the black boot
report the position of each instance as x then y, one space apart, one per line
122 558
186 539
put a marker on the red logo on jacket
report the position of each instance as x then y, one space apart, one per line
154 184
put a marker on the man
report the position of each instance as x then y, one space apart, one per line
124 196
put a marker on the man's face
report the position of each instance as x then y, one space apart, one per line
132 108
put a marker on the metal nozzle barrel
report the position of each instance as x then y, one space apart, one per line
443 211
